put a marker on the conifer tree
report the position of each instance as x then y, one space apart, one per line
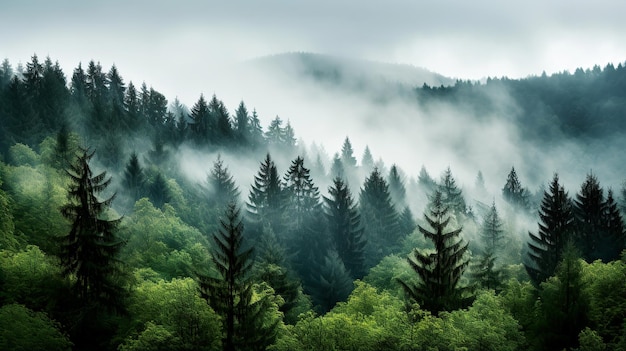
589 211
202 122
485 272
159 191
347 154
336 168
491 232
367 162
344 225
406 222
613 242
439 271
134 178
332 282
274 132
223 132
255 130
555 230
89 252
426 182
221 186
242 127
452 196
266 201
514 193
397 189
379 218
230 293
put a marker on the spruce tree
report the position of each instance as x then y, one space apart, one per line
134 178
344 226
397 189
347 154
440 270
202 122
452 196
379 218
485 272
492 233
613 242
159 191
230 292
242 127
426 182
266 201
589 211
513 192
255 130
367 162
555 230
89 252
221 186
332 283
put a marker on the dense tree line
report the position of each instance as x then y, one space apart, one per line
278 263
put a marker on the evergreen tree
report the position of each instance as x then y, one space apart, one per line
406 222
379 218
159 191
242 127
336 168
426 182
485 274
440 270
266 201
221 186
219 114
555 230
589 211
134 178
332 283
202 122
479 185
397 189
514 193
613 242
452 196
230 293
491 232
347 154
131 102
274 132
255 130
367 162
89 252
344 225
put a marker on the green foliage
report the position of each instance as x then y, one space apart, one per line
385 275
24 329
30 278
171 315
22 155
589 340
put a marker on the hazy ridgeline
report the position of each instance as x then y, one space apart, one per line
334 171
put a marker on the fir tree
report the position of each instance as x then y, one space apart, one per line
613 242
242 127
255 130
347 154
555 230
202 123
439 271
266 201
452 196
426 182
379 218
230 293
589 211
274 132
336 168
397 189
159 191
134 178
367 162
89 252
514 193
492 233
221 186
344 225
332 283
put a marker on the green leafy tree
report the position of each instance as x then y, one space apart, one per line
344 225
555 230
439 271
27 330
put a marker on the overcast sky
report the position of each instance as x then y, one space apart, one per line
171 44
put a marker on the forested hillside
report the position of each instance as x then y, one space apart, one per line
116 233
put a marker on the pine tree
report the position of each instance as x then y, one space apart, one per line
344 225
202 123
367 162
89 251
589 211
555 230
452 196
439 271
613 242
230 293
514 193
266 201
379 218
221 186
134 178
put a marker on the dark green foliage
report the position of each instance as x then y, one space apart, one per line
396 188
242 124
221 188
514 193
134 178
492 233
564 306
89 251
379 218
159 191
589 209
266 201
344 226
439 271
406 222
230 293
555 230
452 196
331 283
485 274
613 242
22 329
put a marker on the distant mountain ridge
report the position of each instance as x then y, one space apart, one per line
351 72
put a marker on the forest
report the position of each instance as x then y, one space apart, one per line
108 243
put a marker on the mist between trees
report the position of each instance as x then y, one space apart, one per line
129 223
